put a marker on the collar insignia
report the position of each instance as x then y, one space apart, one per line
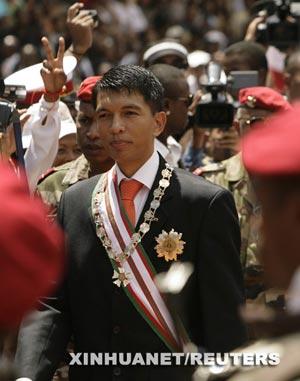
251 101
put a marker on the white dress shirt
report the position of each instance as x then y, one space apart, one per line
145 175
170 152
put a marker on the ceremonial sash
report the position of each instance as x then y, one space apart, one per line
142 290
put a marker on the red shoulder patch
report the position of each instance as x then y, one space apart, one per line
198 171
46 174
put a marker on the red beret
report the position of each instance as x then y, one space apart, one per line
32 250
264 98
86 88
272 148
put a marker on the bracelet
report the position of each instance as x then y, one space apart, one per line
52 96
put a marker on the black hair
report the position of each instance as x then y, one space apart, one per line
168 76
252 51
132 79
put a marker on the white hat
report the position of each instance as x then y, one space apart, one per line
31 78
67 126
163 49
216 36
198 57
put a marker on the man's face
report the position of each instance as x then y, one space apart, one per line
88 135
240 62
246 117
127 128
178 102
281 238
68 150
171 59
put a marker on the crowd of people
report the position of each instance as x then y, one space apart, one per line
134 174
124 30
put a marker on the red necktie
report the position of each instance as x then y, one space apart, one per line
128 190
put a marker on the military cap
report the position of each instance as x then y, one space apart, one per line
264 98
85 90
32 254
272 148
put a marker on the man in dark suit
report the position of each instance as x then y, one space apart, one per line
118 241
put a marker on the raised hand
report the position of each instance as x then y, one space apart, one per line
80 24
52 72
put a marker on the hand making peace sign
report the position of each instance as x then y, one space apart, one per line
52 72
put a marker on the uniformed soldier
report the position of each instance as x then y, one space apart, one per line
94 159
271 156
256 103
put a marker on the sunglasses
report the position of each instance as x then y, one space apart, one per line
249 122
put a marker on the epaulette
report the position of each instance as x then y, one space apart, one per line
46 174
63 167
209 168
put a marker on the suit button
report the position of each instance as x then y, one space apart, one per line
116 329
116 371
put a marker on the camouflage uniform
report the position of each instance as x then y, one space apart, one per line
57 180
232 175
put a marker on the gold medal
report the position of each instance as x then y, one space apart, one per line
169 245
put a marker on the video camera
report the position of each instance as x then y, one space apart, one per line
12 93
6 113
282 27
9 114
214 109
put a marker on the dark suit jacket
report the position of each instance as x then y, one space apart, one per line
100 316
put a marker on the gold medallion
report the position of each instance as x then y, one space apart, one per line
169 245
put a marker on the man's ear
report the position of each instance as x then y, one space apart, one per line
160 120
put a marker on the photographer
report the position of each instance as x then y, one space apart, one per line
221 144
256 103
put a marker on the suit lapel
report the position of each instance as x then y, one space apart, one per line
162 212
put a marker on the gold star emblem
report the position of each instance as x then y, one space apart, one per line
169 245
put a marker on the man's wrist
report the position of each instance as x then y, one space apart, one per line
51 97
77 51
